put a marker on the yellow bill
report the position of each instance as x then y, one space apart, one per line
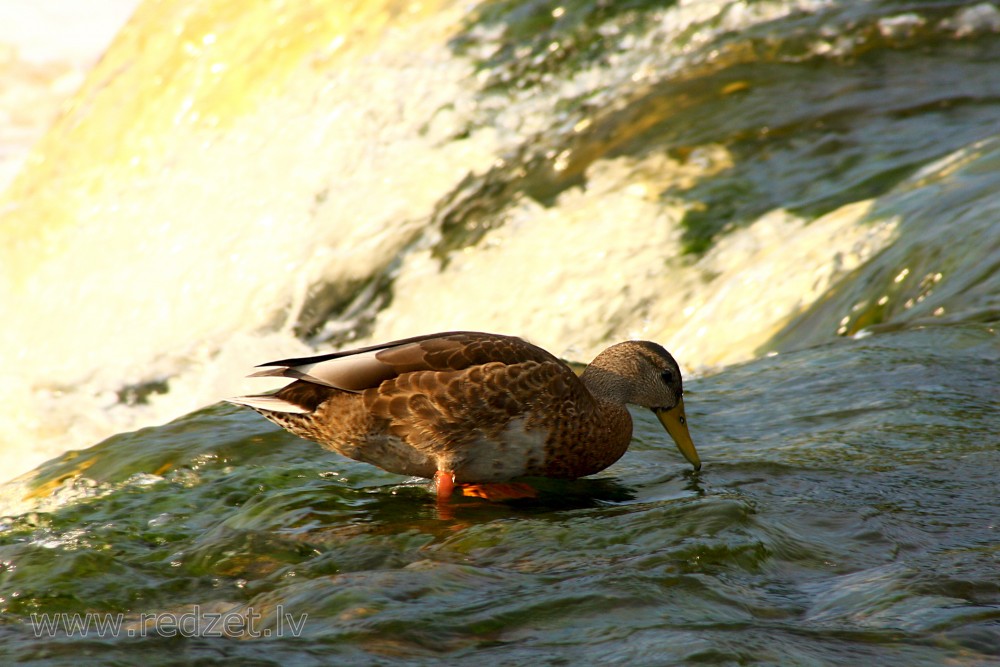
676 424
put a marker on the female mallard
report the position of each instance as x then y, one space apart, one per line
476 408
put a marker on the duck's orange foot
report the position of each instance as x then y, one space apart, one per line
499 491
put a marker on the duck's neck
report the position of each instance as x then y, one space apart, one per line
606 385
612 418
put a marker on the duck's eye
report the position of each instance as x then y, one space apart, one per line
668 377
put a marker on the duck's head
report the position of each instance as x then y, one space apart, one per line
642 373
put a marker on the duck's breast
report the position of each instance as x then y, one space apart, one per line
515 451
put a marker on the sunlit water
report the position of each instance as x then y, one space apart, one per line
844 515
812 181
46 48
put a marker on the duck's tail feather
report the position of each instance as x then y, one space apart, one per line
270 403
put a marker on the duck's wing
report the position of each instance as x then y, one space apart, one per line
494 414
368 367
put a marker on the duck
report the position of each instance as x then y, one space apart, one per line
474 410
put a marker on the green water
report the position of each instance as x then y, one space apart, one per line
846 513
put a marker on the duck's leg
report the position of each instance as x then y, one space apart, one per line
444 484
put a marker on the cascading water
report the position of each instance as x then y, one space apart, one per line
221 188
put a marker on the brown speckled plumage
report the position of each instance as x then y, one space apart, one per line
485 407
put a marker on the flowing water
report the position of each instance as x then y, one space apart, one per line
845 515
798 199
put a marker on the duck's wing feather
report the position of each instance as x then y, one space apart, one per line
453 409
368 367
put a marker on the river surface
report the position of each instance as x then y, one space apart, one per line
798 199
845 515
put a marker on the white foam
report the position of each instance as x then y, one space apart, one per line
605 261
56 30
170 265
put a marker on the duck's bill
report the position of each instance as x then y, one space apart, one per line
676 424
